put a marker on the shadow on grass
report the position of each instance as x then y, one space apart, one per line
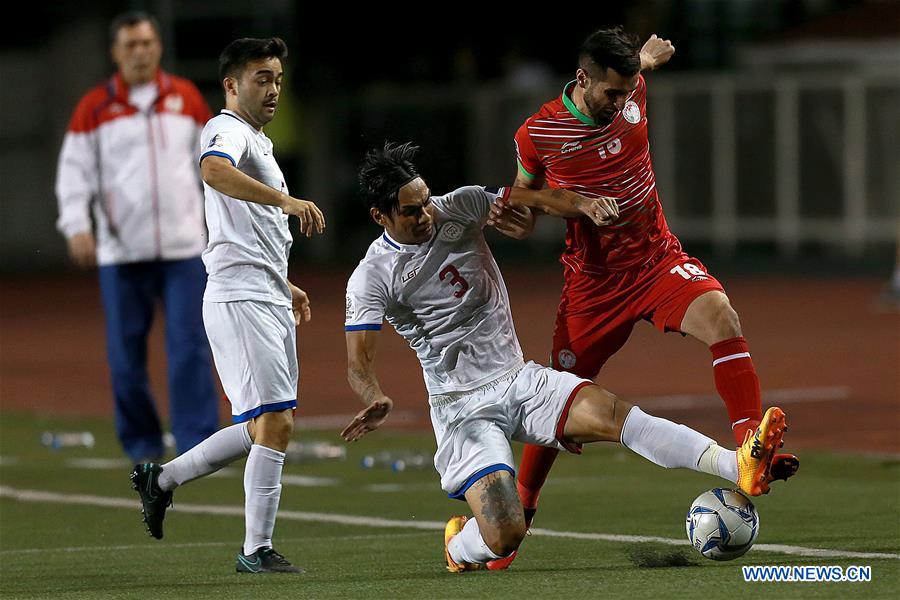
649 556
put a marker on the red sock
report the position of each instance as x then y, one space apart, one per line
536 464
737 384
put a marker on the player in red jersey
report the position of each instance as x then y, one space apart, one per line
593 140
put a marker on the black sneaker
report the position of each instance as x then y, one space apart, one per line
154 501
264 560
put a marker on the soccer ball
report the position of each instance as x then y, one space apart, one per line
722 524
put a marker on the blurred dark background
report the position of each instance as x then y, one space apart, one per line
774 129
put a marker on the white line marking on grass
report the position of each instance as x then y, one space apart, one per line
98 464
231 544
307 481
770 397
6 461
363 521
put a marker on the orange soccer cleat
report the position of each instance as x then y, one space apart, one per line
755 456
453 527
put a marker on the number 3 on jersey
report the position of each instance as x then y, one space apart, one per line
455 279
688 271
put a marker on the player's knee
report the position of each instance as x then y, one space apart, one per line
723 321
274 428
728 325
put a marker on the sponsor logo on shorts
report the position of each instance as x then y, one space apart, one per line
567 359
631 112
450 232
699 278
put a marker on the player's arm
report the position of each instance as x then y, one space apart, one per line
516 222
655 53
565 203
219 174
361 376
77 181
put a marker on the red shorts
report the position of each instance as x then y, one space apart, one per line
597 312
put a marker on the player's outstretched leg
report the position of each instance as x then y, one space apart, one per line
271 432
597 415
711 319
155 483
495 531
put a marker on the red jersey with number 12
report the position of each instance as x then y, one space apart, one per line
572 152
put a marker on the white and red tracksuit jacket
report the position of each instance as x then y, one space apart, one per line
137 171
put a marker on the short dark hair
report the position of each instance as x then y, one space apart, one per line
130 19
238 53
383 172
611 49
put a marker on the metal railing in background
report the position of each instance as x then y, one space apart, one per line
739 157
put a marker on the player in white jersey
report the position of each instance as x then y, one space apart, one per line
250 309
431 275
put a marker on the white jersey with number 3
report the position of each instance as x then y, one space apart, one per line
446 297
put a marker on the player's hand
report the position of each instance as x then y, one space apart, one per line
83 249
602 211
299 305
656 52
369 419
516 222
311 218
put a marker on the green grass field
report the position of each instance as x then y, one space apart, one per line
83 538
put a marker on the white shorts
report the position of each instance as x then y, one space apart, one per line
254 345
473 429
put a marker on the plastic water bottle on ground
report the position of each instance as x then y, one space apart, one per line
56 440
397 461
305 452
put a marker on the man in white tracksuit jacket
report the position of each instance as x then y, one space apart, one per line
128 160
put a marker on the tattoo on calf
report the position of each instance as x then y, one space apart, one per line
500 500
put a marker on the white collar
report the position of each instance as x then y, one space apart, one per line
231 113
397 245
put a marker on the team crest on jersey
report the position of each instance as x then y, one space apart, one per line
450 232
631 112
215 141
174 103
567 359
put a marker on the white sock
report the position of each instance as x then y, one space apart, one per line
720 461
663 442
218 450
262 488
468 546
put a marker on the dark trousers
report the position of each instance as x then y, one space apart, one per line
130 292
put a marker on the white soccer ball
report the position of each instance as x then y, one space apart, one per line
722 524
